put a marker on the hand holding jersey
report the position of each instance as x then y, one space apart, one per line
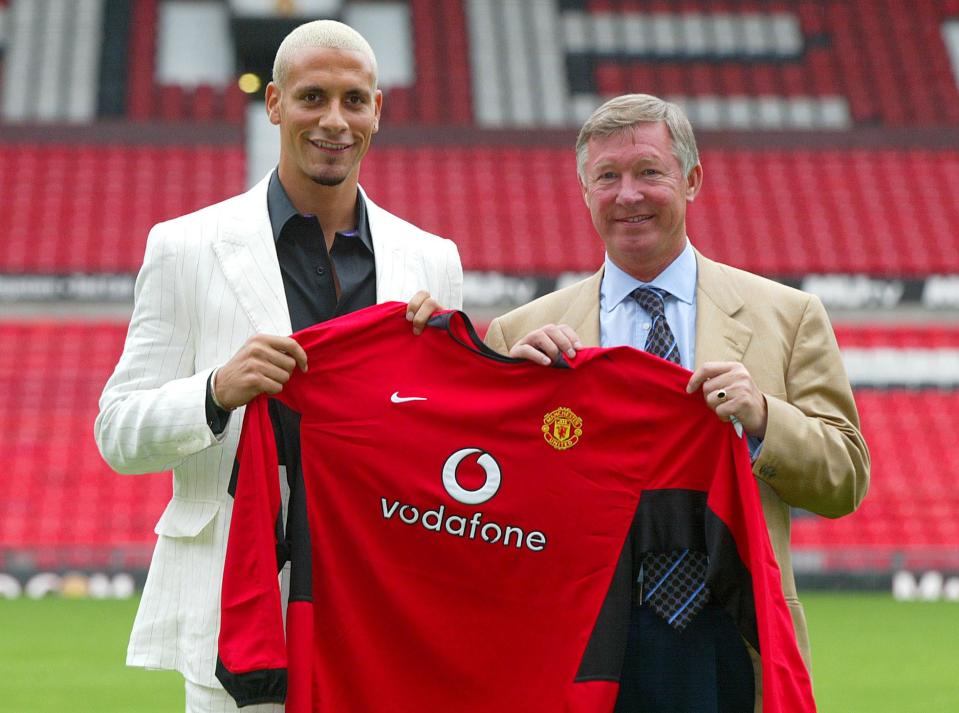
261 366
731 393
264 363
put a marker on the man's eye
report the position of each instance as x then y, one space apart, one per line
607 175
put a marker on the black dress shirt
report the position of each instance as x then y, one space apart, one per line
305 262
310 271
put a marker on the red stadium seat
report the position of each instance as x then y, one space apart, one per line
911 503
887 58
59 493
60 496
822 211
89 208
140 83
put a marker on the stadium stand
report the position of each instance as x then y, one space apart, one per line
517 210
141 88
911 516
441 92
899 337
89 208
62 501
148 99
51 65
829 132
62 506
746 64
825 49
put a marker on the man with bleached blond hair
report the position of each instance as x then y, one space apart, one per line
218 295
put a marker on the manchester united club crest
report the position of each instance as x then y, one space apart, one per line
562 428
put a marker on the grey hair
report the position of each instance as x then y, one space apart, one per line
624 112
326 34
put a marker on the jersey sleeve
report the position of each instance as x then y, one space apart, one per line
734 498
252 660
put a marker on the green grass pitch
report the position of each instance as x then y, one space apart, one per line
871 655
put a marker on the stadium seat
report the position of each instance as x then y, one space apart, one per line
775 212
518 209
89 208
883 207
912 505
848 50
60 497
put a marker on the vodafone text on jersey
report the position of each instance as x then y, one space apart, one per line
467 527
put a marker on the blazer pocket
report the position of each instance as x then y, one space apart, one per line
186 518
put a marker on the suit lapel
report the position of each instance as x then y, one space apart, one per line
582 314
719 335
386 248
247 254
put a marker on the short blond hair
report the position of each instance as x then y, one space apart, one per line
626 111
325 34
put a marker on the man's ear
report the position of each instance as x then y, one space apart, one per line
377 107
273 103
694 181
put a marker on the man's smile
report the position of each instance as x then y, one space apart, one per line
329 146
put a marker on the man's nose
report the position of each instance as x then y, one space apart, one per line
630 191
333 118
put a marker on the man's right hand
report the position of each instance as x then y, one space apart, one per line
261 366
543 345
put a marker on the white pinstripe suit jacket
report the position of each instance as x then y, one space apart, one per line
209 281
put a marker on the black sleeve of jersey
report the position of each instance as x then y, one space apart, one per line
293 541
729 580
247 689
667 520
603 659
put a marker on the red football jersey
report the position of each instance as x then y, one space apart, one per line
467 527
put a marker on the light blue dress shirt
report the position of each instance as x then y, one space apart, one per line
622 322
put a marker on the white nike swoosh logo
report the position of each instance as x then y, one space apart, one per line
397 399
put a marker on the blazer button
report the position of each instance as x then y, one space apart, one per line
767 471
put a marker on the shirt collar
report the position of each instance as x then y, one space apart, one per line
281 210
678 279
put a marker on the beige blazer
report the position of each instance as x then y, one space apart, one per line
813 456
209 281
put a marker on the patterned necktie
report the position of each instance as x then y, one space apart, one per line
674 583
660 340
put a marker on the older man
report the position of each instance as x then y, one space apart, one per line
219 291
763 355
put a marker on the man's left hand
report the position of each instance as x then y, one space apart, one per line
419 310
730 391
